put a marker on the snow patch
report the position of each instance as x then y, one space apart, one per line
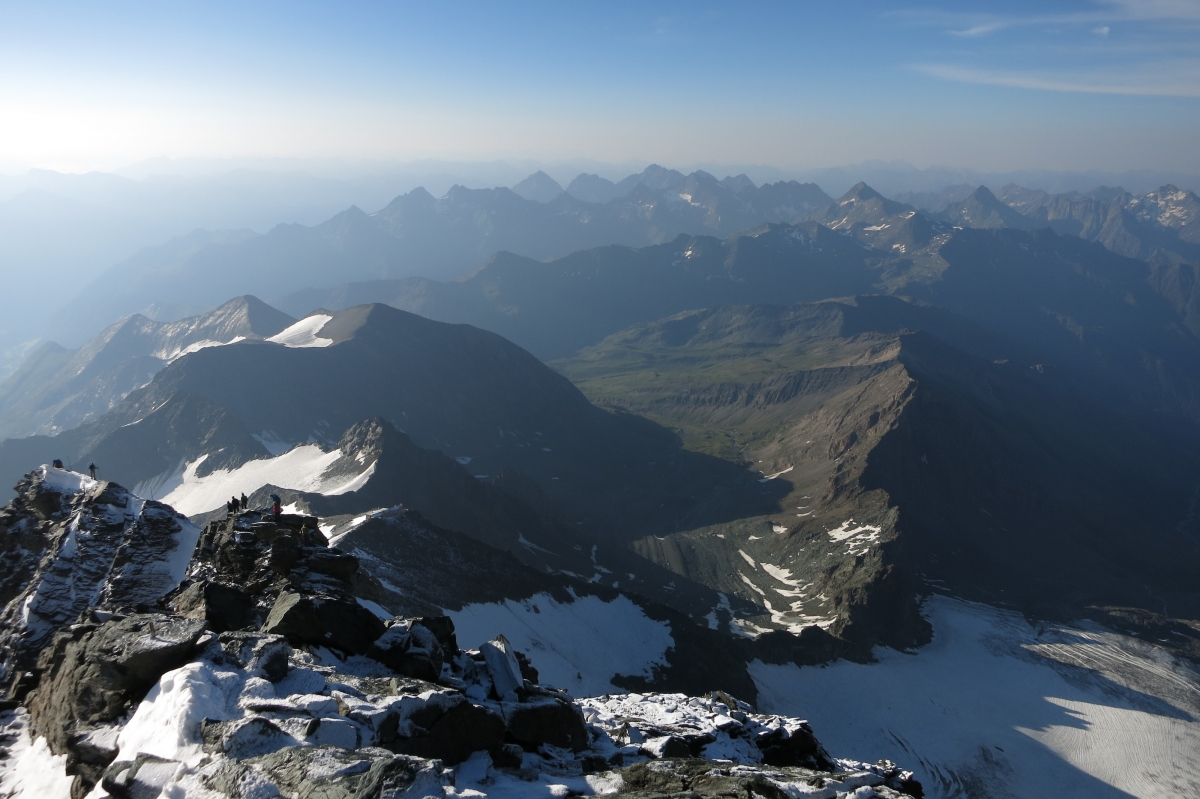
29 769
301 469
304 333
173 355
579 645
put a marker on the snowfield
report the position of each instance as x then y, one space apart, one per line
994 707
579 646
302 469
304 333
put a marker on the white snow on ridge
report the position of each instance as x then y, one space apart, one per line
578 645
858 539
304 333
196 346
300 469
66 481
990 702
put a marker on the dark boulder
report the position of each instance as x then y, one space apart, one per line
95 673
261 655
458 732
331 562
324 621
411 649
442 628
545 720
222 607
795 747
285 553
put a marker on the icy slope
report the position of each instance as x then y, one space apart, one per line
1028 711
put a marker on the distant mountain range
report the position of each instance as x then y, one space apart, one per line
1078 305
418 234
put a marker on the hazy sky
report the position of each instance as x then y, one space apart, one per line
1104 84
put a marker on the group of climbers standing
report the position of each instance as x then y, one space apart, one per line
58 464
237 504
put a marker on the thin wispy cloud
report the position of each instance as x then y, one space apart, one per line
1103 15
1184 83
979 30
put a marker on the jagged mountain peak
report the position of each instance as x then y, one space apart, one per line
738 182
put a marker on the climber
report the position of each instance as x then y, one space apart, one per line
92 470
233 503
245 502
276 509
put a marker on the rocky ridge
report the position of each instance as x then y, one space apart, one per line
262 673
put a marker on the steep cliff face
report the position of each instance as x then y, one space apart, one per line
72 544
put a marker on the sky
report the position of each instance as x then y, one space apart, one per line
1094 84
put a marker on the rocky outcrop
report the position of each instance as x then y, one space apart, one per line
95 673
70 544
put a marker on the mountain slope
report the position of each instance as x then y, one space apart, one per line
982 209
1077 305
912 442
454 388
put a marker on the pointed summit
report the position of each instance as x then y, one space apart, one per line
592 189
982 209
538 187
859 192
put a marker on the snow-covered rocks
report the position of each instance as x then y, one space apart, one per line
275 674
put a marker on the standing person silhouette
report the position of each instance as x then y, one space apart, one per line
92 470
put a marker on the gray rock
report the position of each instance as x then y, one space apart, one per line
502 664
454 735
260 655
411 649
794 747
545 720
222 607
333 773
324 621
95 673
